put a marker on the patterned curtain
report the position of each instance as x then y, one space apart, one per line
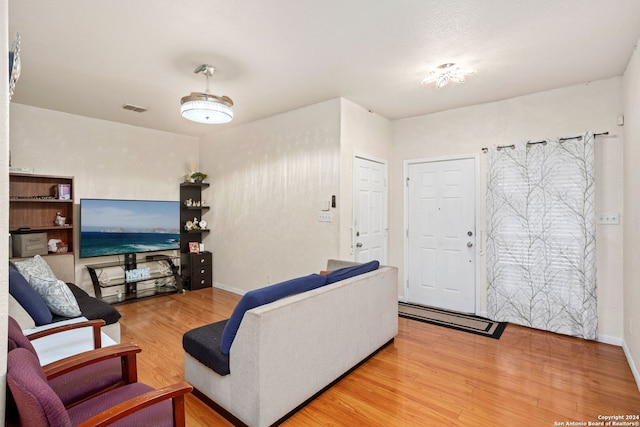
541 236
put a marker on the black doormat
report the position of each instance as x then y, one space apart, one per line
451 319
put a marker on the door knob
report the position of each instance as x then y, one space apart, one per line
358 245
469 244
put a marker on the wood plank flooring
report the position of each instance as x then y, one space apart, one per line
429 376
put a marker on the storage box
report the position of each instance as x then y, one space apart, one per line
62 191
29 244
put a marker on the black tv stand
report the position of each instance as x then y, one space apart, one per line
119 285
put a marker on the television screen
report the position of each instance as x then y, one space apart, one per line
112 227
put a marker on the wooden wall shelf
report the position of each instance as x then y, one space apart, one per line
33 205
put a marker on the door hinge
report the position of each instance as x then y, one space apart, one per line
407 233
407 182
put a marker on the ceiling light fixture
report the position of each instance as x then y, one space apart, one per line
446 72
204 107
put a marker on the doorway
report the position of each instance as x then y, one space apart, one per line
441 233
369 210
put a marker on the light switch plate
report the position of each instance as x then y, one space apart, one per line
325 217
607 218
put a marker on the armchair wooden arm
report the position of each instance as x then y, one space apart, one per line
95 324
127 352
175 392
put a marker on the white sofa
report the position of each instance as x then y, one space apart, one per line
288 351
63 266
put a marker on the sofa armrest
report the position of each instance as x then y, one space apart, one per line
127 352
20 314
51 348
336 264
94 324
174 392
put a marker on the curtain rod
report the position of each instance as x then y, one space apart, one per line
579 137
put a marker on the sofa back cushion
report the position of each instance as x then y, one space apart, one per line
263 296
348 272
28 298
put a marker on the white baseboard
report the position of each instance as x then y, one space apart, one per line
607 339
634 368
228 288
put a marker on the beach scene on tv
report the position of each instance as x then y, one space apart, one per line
112 227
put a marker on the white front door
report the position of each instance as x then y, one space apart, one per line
441 234
369 210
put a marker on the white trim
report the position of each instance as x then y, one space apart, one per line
406 163
370 158
634 368
229 288
353 201
608 339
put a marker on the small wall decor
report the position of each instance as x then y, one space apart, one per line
192 225
15 65
193 203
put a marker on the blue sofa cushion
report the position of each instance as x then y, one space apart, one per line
347 272
263 296
28 298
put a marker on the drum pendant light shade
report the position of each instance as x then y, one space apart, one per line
205 107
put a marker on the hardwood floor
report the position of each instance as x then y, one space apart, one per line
429 376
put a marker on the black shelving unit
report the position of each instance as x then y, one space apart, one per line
196 273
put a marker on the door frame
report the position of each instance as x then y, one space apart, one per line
385 213
405 225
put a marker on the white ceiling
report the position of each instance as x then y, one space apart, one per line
90 57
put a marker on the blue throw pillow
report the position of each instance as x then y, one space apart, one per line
347 272
263 296
28 298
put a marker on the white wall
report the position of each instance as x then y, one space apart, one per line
4 195
631 292
363 133
108 160
268 180
561 112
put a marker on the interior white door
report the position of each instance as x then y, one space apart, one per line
441 234
369 210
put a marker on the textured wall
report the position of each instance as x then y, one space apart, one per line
108 160
4 195
268 181
561 112
631 319
362 133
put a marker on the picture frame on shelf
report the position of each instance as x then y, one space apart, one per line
194 247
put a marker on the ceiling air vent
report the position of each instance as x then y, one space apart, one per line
136 108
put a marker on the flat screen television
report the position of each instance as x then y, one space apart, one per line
114 227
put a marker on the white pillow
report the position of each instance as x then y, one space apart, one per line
35 266
56 295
